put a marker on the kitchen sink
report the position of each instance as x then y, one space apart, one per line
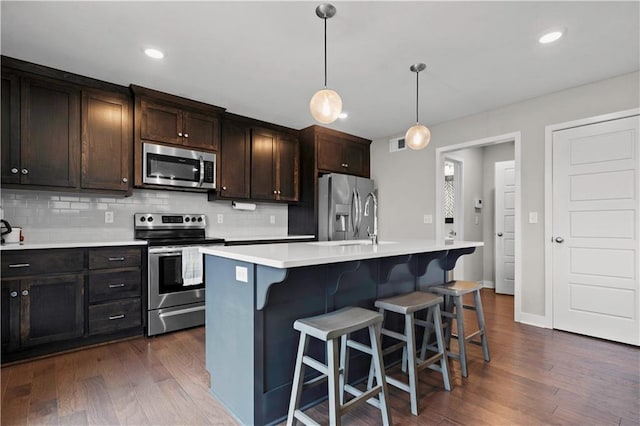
349 243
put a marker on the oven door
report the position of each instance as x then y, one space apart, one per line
165 280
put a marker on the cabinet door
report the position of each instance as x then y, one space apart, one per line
50 134
10 166
330 154
356 158
235 160
52 309
160 123
263 146
288 168
201 131
106 141
10 311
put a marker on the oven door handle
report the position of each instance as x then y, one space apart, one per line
201 181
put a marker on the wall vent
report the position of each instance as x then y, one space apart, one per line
397 144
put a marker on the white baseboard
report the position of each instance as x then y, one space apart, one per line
488 284
535 320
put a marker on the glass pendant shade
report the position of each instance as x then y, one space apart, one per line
417 137
326 106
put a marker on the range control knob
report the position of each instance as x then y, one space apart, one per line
150 219
193 219
143 219
199 219
186 219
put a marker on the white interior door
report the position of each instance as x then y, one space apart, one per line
595 230
505 226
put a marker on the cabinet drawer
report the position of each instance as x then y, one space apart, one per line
113 285
34 262
114 258
113 316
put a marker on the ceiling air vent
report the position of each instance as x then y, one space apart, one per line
397 144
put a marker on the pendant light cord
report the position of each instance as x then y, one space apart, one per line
417 97
325 53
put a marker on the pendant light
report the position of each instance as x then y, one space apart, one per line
326 104
418 136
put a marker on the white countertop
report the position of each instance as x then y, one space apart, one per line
291 255
268 238
33 245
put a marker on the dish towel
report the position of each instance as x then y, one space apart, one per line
191 266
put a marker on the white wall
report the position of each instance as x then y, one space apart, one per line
405 179
491 155
56 216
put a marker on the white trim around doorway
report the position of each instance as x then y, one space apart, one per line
548 198
514 137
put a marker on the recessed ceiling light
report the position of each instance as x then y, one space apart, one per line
154 53
550 37
343 115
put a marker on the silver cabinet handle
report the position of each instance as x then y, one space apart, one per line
224 188
559 240
14 170
25 171
180 134
499 234
13 294
186 135
116 285
125 180
116 317
25 292
19 265
117 259
275 192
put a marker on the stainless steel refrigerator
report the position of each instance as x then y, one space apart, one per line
341 212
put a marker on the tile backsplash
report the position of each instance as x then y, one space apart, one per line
54 216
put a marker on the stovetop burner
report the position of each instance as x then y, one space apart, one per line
172 229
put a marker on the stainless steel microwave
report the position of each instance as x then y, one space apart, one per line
165 165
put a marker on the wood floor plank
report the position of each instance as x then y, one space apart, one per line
536 376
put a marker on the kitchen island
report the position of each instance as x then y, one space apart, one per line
255 293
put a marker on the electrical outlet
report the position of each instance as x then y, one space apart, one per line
428 218
220 218
241 274
272 219
477 219
108 217
533 217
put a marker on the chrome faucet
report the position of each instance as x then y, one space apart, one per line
374 236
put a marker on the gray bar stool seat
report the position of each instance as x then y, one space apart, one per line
453 292
407 305
329 328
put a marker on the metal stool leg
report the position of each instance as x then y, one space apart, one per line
376 353
410 350
344 365
333 373
444 361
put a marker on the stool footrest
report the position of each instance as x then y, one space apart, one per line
392 348
423 323
315 364
427 362
393 335
360 395
470 307
472 335
397 383
305 419
315 381
359 346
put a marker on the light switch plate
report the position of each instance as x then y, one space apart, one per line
533 217
241 274
272 219
220 218
108 217
428 218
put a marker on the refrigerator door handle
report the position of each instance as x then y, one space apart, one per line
359 210
354 211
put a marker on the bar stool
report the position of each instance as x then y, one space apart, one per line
407 305
453 291
329 328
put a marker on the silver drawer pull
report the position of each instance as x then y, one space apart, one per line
116 285
19 265
116 317
116 259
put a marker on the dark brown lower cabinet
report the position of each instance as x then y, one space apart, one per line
60 299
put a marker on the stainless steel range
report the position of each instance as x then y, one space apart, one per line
175 269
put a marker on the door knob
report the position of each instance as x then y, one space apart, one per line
14 171
559 240
25 171
499 234
25 292
13 294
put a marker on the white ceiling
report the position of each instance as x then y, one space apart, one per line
265 59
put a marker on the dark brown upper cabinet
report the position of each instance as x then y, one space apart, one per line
107 141
342 154
235 161
177 121
50 133
275 165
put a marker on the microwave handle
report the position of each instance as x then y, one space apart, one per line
201 171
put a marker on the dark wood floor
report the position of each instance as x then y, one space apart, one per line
536 376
